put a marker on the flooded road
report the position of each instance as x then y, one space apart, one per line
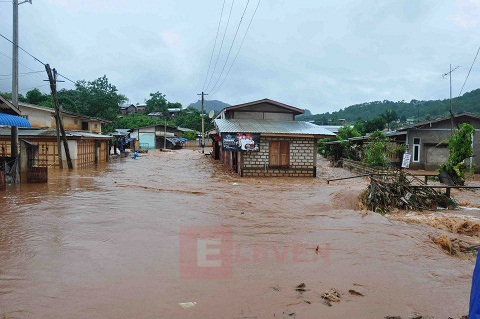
118 241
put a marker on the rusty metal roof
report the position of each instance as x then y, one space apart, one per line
271 127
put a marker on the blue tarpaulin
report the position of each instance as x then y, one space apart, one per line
474 312
13 120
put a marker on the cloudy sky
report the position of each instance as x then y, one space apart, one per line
321 55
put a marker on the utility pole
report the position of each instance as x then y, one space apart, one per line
452 117
14 129
52 78
15 52
203 122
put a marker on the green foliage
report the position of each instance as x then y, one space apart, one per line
376 124
38 98
321 146
135 120
347 132
97 98
8 96
377 150
468 102
389 115
460 147
157 103
189 135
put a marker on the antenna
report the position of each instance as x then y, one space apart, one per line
211 114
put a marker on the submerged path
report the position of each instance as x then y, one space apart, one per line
117 242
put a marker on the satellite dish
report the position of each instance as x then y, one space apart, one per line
211 114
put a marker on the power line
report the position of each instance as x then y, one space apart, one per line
231 46
23 73
17 62
469 71
221 45
34 57
63 76
214 45
239 48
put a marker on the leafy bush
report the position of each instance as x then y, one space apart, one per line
377 150
460 147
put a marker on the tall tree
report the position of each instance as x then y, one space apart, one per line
96 98
36 97
157 103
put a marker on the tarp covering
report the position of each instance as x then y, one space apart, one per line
474 312
13 120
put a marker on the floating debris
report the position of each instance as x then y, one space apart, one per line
355 293
331 295
301 287
186 305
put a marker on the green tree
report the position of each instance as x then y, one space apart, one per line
346 132
157 103
460 147
97 98
376 124
135 120
8 96
390 115
377 149
38 98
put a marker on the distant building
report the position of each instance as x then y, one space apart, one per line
132 109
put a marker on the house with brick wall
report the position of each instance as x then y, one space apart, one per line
262 138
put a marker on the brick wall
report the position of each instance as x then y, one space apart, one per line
302 159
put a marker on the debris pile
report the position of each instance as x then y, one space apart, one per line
386 192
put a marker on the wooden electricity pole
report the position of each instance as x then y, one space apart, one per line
52 78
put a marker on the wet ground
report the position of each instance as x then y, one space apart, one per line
133 240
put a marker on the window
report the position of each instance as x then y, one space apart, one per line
416 149
84 126
279 154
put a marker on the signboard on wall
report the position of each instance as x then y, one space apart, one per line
233 142
406 160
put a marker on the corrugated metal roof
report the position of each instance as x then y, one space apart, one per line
267 126
51 133
13 120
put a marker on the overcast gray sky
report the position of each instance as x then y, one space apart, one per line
321 55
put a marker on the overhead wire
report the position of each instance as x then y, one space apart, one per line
214 45
31 55
221 45
476 55
239 48
231 46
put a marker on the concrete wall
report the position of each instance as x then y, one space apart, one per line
302 158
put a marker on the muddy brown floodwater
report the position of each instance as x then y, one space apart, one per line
117 241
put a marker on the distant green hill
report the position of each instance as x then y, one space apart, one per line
417 110
215 105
